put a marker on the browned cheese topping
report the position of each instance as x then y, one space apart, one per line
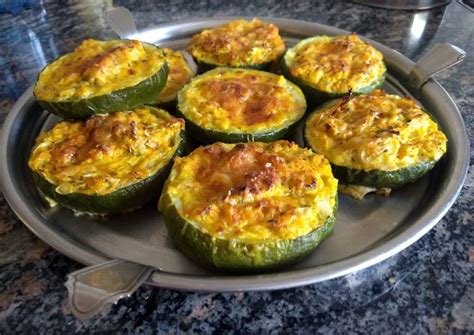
106 152
253 191
238 43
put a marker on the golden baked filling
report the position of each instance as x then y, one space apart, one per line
106 152
378 131
238 43
96 68
254 191
241 101
179 74
336 64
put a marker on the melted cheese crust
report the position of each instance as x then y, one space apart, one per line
253 192
96 68
106 152
375 132
336 64
238 43
179 74
241 101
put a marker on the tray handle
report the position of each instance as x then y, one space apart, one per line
92 288
121 21
441 57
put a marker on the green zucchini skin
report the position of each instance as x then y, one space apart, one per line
373 178
380 178
315 97
204 67
207 136
238 257
124 199
124 99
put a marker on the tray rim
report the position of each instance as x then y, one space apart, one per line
276 280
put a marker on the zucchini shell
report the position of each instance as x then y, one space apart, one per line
121 200
168 101
380 178
238 257
204 67
315 96
207 136
373 178
127 98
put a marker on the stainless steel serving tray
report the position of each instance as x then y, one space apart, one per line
366 232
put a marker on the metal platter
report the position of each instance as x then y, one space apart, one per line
366 232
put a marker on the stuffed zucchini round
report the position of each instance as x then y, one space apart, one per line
244 44
179 74
240 105
330 67
109 163
101 77
375 141
249 207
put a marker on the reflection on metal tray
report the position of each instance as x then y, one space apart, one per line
404 4
366 232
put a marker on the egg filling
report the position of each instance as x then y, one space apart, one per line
106 152
338 64
253 192
238 43
241 101
179 74
378 131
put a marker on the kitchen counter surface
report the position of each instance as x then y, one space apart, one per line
427 288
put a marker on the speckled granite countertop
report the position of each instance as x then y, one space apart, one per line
427 288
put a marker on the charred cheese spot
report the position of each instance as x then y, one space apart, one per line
336 64
179 74
253 192
96 68
241 101
106 152
238 43
375 132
